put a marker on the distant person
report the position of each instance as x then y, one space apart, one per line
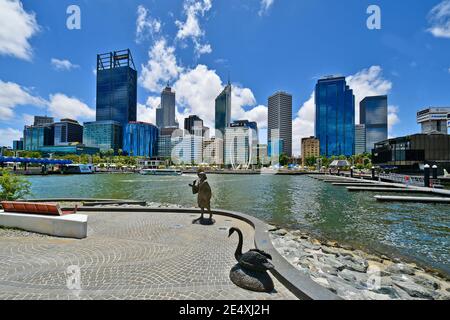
202 188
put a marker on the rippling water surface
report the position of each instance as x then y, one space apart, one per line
419 231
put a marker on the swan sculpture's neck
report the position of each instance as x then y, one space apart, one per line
238 253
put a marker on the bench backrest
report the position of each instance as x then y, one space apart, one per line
50 209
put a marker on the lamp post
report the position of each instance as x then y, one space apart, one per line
435 172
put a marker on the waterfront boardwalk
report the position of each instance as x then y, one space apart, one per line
363 185
135 255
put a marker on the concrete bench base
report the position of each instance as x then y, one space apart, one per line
70 226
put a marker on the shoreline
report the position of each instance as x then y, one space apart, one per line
354 274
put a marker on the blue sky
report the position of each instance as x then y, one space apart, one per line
265 45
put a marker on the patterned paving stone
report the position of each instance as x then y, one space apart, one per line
128 256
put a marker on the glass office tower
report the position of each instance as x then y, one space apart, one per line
140 139
116 87
68 131
105 135
223 110
335 117
373 113
36 137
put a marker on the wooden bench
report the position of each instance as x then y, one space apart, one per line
47 209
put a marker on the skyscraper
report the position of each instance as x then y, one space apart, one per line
335 117
68 131
192 122
140 139
223 111
116 87
165 114
280 122
360 139
373 114
105 135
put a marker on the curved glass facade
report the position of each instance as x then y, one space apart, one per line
140 139
335 117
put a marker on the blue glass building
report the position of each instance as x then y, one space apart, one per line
116 87
36 137
373 113
140 139
335 117
104 135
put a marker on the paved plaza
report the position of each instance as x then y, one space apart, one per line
128 256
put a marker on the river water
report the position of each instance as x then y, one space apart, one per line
418 231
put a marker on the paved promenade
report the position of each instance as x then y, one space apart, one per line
128 256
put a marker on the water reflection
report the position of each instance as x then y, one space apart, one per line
420 230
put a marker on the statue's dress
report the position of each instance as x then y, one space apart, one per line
204 193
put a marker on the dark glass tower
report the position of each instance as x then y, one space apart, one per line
116 87
223 110
373 113
335 117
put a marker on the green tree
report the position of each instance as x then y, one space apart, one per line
13 187
284 159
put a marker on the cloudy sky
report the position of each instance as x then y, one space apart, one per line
264 45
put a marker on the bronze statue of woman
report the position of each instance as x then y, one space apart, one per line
203 190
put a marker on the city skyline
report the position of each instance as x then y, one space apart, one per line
66 90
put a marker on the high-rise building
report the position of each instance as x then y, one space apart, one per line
39 136
280 123
373 113
116 87
360 139
165 143
165 114
140 139
105 135
223 111
191 122
310 148
68 131
42 121
263 155
434 120
18 144
241 144
335 117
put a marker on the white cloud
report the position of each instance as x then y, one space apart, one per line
367 82
146 25
393 118
63 65
196 91
7 135
62 106
147 112
439 18
13 95
194 10
161 67
16 28
265 6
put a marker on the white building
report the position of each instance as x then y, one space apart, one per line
241 151
434 120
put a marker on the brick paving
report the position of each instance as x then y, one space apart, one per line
129 256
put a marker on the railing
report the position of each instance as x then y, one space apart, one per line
409 180
403 179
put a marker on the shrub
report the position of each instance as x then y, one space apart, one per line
13 187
